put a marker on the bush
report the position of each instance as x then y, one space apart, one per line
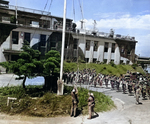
112 64
17 92
134 66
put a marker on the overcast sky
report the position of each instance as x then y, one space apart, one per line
126 17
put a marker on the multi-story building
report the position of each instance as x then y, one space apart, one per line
44 32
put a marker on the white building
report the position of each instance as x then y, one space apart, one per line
44 32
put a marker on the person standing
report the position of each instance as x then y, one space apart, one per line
91 105
74 102
138 93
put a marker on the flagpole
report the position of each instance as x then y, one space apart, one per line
63 41
16 12
60 82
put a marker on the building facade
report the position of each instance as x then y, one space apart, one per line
44 32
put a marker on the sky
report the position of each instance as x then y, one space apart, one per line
125 17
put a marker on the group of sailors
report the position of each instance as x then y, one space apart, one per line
126 83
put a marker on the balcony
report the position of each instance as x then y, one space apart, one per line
105 35
23 9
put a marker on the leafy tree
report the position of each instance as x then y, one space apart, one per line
31 65
51 67
27 64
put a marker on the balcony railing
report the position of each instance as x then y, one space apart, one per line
25 9
106 35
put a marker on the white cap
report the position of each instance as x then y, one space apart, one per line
73 90
92 94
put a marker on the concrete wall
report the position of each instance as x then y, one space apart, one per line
7 45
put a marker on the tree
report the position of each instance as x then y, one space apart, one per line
51 67
30 65
27 64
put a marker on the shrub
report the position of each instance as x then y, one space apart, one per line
112 64
134 66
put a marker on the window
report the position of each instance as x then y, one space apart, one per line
27 37
14 37
75 44
113 47
95 45
129 49
43 40
35 24
106 47
53 44
122 49
66 44
128 52
5 19
87 45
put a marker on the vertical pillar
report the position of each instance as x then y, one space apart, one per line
9 57
51 24
10 45
1 54
20 41
117 55
109 53
100 52
91 51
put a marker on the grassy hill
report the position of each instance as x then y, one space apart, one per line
110 69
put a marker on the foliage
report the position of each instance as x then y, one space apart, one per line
112 64
30 64
51 63
134 66
13 19
46 104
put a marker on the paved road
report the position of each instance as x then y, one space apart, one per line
127 111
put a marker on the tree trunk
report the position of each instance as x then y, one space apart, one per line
50 83
23 83
47 83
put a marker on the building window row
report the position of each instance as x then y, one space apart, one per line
106 46
75 45
27 37
88 45
15 37
113 48
95 45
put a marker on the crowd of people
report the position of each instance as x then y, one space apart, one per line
132 83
